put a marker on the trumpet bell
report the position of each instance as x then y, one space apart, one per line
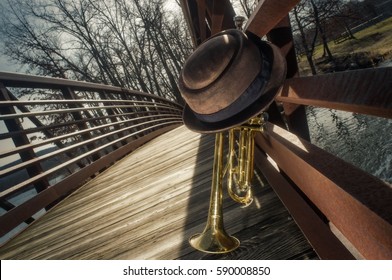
214 240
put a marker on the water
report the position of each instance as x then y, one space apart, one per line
387 63
364 141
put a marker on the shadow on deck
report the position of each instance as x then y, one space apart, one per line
149 203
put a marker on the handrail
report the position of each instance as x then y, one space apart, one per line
355 202
10 79
365 91
85 129
62 137
25 164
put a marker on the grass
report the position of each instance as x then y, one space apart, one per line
372 42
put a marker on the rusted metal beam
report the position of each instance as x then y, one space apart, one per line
295 115
21 213
358 204
319 235
188 9
221 14
281 36
201 16
218 14
367 91
268 14
7 206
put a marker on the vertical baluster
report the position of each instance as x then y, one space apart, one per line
69 94
13 125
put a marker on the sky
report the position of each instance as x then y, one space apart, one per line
5 65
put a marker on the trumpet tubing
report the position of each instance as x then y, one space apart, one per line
240 165
214 238
239 169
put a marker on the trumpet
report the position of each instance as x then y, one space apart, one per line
239 171
240 165
259 69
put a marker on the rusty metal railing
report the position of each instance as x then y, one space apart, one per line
323 193
57 133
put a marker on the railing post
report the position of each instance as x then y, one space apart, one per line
113 118
69 94
13 126
90 133
7 206
38 123
295 115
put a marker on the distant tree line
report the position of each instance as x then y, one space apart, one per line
134 44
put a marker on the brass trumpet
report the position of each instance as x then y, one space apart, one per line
239 169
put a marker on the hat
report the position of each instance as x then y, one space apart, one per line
229 79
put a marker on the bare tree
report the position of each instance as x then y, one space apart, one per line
133 44
301 23
319 6
248 6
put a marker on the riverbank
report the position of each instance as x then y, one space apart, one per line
371 47
361 140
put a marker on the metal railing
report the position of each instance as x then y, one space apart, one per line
83 128
58 133
327 196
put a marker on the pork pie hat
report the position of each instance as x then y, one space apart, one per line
229 79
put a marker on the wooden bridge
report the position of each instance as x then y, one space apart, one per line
147 205
111 173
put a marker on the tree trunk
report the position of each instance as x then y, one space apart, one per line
308 51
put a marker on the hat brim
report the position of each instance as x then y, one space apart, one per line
278 74
194 124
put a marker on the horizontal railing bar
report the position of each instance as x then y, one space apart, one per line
17 215
367 91
105 126
19 149
18 80
57 125
80 109
25 164
73 101
357 203
25 80
58 167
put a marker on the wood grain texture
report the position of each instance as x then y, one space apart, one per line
147 205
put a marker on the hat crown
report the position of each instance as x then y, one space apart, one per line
209 61
230 78
219 71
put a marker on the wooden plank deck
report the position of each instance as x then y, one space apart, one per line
148 204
